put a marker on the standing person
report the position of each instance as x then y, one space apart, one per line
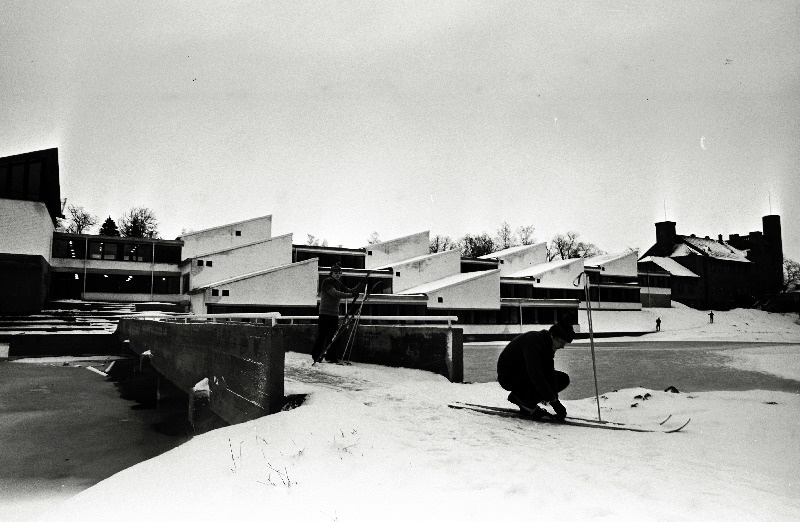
526 369
711 317
330 296
658 324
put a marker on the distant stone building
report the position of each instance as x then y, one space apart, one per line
740 272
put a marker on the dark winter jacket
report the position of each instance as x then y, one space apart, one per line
529 357
331 295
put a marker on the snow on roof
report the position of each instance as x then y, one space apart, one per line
710 248
194 232
670 265
509 251
543 268
255 274
605 258
446 281
237 247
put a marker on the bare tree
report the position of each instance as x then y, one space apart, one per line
80 220
440 243
139 222
505 237
525 234
476 246
373 238
567 246
791 275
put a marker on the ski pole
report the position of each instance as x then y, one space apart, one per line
587 293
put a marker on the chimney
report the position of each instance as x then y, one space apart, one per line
665 237
720 239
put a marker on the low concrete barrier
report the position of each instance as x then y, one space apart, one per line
243 363
438 349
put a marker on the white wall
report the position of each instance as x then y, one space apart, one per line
388 252
624 265
290 285
519 258
562 275
223 237
426 269
25 228
479 292
240 261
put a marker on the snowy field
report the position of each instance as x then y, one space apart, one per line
374 443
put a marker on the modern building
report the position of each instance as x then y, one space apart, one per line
241 267
721 274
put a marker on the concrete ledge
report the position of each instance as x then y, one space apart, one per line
243 363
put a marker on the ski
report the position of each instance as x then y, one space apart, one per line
348 348
348 320
568 417
585 423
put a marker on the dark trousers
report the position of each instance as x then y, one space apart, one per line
327 326
523 388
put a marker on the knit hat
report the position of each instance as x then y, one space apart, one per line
563 331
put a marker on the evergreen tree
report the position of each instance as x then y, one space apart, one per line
109 228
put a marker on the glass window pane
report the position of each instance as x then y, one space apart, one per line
110 251
34 179
17 179
4 178
95 250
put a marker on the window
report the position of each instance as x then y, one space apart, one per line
214 292
110 250
17 179
209 263
238 232
440 299
34 180
225 293
200 262
95 250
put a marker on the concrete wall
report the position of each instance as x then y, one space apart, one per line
25 228
519 258
386 253
421 270
238 261
223 237
562 275
624 265
24 280
244 364
436 349
290 285
479 292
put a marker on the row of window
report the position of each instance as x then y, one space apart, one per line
654 281
531 292
71 284
115 250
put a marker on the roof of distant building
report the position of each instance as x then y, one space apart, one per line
708 247
670 265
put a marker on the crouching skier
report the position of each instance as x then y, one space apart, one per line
526 369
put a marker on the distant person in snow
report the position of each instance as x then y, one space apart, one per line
658 324
711 317
330 296
526 369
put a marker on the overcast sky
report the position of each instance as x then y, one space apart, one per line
344 118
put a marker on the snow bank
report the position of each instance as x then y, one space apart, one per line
375 443
681 323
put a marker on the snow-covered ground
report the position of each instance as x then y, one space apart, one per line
375 443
